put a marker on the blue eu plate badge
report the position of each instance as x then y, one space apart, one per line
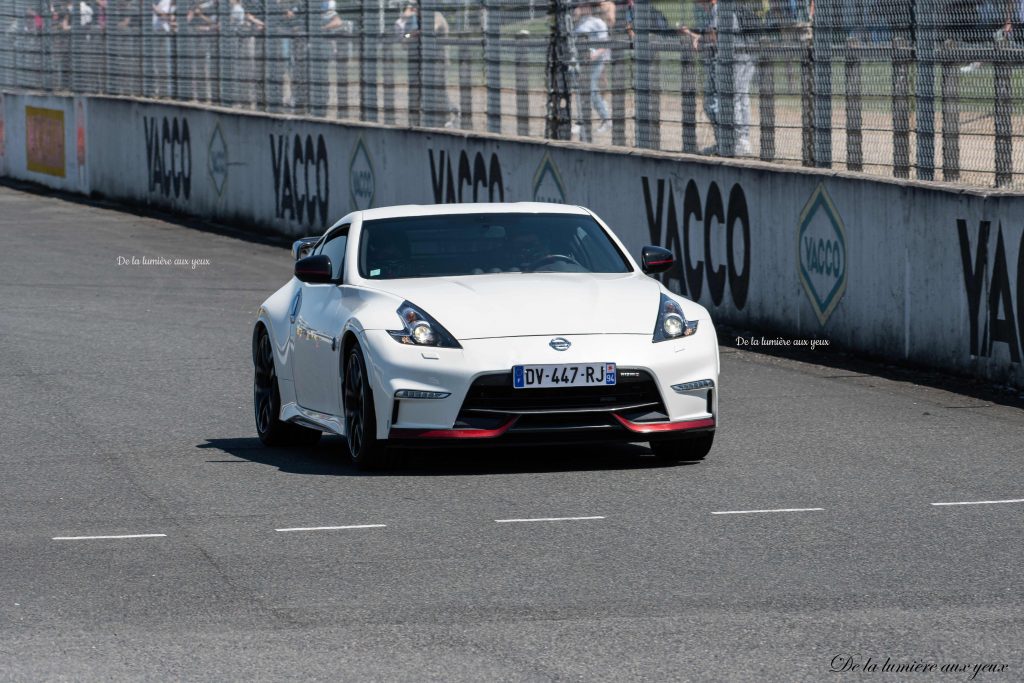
609 373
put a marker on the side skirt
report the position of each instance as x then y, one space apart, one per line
293 412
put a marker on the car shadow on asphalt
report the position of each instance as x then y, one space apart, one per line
329 458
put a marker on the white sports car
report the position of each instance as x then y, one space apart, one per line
482 323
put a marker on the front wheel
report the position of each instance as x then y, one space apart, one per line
266 401
671 451
367 451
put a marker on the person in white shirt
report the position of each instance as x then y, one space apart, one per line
163 16
85 14
591 27
743 69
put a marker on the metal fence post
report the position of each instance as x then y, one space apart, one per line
465 57
724 78
902 54
143 83
617 77
320 43
654 99
275 56
217 88
766 101
900 113
369 50
642 87
559 106
925 21
414 92
807 118
1003 118
7 48
103 82
522 83
388 56
78 66
261 69
232 67
824 22
950 119
688 98
175 85
433 97
854 111
492 63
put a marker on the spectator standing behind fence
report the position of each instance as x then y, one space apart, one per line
594 31
242 25
200 32
406 30
742 20
160 50
283 25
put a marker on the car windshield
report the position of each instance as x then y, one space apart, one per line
480 243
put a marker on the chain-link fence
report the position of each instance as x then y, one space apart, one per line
927 89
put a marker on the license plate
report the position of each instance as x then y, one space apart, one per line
572 375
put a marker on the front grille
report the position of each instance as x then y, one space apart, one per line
495 394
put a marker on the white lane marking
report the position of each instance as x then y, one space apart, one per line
984 502
98 538
750 512
333 528
546 519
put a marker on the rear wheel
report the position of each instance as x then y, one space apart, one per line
367 451
672 451
266 400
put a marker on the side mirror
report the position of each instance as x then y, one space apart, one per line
656 260
314 269
302 248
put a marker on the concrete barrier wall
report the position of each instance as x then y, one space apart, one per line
927 274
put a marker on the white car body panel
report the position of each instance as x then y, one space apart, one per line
501 320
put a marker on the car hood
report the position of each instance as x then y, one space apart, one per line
526 304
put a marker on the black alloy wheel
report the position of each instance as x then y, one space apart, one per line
366 450
266 400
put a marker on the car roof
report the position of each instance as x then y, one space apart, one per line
409 210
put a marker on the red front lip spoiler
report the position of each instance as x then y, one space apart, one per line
451 433
656 427
635 427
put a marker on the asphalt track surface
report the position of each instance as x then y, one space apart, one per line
125 410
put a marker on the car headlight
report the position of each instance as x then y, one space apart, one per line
421 330
672 324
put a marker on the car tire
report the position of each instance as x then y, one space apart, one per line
366 450
266 401
690 449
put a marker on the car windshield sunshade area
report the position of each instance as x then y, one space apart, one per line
482 243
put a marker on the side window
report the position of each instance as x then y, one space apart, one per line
335 248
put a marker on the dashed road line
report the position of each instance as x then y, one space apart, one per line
751 512
983 502
334 528
102 538
547 519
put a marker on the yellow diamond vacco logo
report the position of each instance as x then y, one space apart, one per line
821 247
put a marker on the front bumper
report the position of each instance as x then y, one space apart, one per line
481 407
